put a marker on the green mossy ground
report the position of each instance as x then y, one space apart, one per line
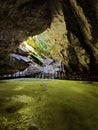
50 104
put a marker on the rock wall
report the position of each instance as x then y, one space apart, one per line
18 20
74 27
71 23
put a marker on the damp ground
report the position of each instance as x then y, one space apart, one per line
28 104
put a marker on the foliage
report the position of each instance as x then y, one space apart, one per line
40 47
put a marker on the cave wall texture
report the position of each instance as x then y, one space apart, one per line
73 24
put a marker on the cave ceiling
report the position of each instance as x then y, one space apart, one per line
72 24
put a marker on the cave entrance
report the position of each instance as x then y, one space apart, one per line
39 57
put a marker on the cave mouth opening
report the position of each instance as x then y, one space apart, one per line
37 57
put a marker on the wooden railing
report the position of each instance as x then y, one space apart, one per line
58 75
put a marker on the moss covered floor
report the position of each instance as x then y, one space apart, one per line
48 104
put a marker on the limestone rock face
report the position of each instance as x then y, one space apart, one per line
19 19
75 34
73 25
81 20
